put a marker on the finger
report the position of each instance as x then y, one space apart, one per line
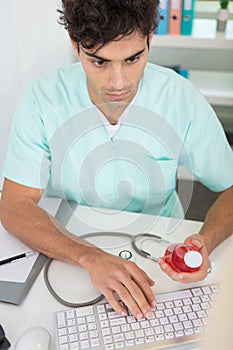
140 290
196 240
115 303
135 300
184 277
150 281
125 295
169 270
144 282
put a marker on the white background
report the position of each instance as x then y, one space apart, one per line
32 43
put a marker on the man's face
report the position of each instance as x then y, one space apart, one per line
115 70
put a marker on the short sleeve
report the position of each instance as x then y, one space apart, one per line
28 158
209 156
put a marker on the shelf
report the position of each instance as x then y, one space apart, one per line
204 36
217 87
208 9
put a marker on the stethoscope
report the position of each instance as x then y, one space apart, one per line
147 236
126 254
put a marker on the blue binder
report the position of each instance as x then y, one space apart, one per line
162 28
187 17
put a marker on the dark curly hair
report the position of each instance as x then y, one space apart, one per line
94 23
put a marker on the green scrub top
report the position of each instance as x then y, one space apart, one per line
59 143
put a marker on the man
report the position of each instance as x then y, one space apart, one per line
113 119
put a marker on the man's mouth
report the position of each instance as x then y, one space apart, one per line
117 96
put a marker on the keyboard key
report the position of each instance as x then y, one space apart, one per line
118 321
169 328
100 308
129 335
73 338
178 303
179 333
95 343
178 310
188 331
119 345
169 304
197 292
159 337
118 337
159 314
62 331
129 343
106 331
206 290
182 317
169 335
109 347
150 339
188 324
107 339
91 326
174 295
149 332
160 306
159 330
70 314
61 320
168 312
84 344
125 328
139 341
65 347
71 322
116 329
63 340
86 311
187 301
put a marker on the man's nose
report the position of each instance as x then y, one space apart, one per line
117 78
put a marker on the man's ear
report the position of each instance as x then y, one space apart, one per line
75 48
150 39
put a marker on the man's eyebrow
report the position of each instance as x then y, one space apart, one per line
107 60
135 54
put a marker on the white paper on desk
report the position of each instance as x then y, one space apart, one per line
17 271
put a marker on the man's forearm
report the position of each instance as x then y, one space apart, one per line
218 224
43 233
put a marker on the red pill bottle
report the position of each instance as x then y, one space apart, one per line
183 257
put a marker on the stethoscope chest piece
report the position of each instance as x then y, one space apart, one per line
126 254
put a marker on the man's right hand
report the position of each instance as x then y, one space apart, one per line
110 274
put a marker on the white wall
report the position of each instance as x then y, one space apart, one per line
31 43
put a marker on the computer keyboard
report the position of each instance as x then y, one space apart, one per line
178 318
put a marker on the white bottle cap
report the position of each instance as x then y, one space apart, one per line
193 259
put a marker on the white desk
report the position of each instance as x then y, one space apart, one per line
39 306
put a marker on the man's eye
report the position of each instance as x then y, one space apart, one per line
133 59
99 63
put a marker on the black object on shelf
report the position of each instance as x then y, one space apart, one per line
4 342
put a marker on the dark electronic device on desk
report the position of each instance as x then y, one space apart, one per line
4 343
